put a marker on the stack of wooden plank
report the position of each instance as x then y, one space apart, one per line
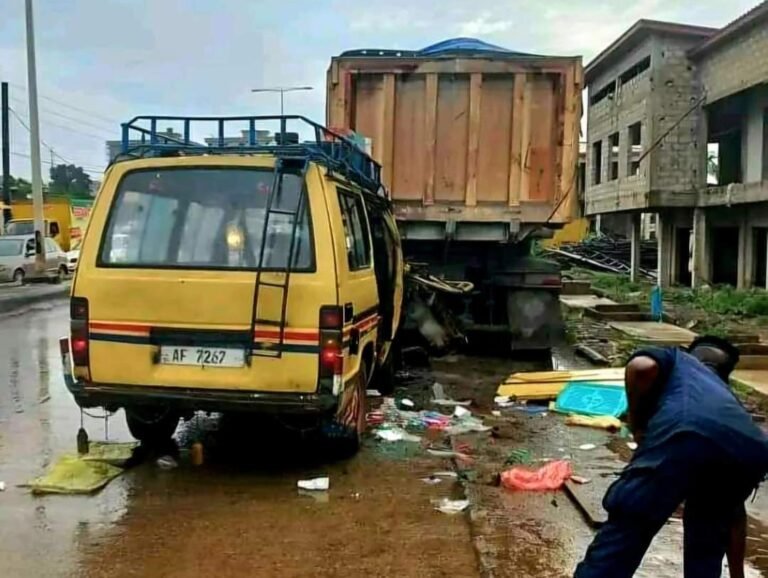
546 385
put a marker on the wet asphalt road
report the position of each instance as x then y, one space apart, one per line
240 513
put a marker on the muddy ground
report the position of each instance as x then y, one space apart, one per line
241 515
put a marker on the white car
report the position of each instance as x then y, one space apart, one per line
72 257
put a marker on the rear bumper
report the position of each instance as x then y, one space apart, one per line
114 396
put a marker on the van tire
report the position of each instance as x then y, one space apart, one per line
151 426
346 441
18 276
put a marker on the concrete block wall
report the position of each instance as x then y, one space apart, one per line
736 65
675 164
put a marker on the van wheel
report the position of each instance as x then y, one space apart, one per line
61 273
347 427
18 276
151 426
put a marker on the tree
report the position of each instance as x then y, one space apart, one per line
20 188
70 181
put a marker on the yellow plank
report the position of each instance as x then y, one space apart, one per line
606 374
543 391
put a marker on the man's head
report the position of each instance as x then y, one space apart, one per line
716 353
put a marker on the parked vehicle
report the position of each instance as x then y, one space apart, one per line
72 258
17 259
65 220
479 147
265 280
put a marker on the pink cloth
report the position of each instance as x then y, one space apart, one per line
549 477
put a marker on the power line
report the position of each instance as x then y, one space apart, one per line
66 105
93 171
50 112
45 144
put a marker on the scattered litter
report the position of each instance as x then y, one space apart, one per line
319 497
167 463
407 403
580 480
452 402
2 486
431 480
496 413
374 418
548 477
592 399
531 409
438 390
372 393
632 445
605 422
446 474
315 484
466 425
587 447
72 475
396 434
519 457
448 506
503 401
447 454
461 412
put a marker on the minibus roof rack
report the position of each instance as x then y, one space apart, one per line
337 153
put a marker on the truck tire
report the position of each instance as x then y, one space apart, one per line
151 426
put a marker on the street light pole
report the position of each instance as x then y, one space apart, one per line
34 143
282 90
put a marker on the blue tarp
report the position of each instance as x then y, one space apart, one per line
454 45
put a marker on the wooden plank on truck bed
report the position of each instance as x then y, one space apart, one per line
452 131
409 159
516 155
430 128
494 155
475 96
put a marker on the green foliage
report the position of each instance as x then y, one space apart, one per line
20 188
70 181
723 300
617 287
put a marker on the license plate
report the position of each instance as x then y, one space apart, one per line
202 356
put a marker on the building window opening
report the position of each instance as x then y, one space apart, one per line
635 141
606 92
635 70
597 162
614 141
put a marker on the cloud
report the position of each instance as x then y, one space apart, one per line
483 25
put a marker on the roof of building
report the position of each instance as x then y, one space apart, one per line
754 17
637 34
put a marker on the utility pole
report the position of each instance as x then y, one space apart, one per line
34 143
282 90
6 153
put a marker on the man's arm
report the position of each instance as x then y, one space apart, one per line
642 378
737 545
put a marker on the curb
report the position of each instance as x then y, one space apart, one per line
10 304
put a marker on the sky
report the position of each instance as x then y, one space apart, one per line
100 62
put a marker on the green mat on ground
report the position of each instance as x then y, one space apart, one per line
73 474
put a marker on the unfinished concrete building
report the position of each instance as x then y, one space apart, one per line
678 127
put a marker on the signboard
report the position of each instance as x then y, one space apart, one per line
80 213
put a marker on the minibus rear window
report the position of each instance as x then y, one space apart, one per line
205 218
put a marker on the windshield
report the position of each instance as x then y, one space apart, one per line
20 228
10 247
204 218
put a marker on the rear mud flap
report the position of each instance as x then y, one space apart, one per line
535 319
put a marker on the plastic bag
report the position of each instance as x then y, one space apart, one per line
552 476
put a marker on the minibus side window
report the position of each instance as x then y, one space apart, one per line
357 235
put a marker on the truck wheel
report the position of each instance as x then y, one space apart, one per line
347 427
151 426
18 276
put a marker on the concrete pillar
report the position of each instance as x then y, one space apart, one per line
666 243
746 254
700 258
635 236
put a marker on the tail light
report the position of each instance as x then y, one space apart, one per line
79 340
331 348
